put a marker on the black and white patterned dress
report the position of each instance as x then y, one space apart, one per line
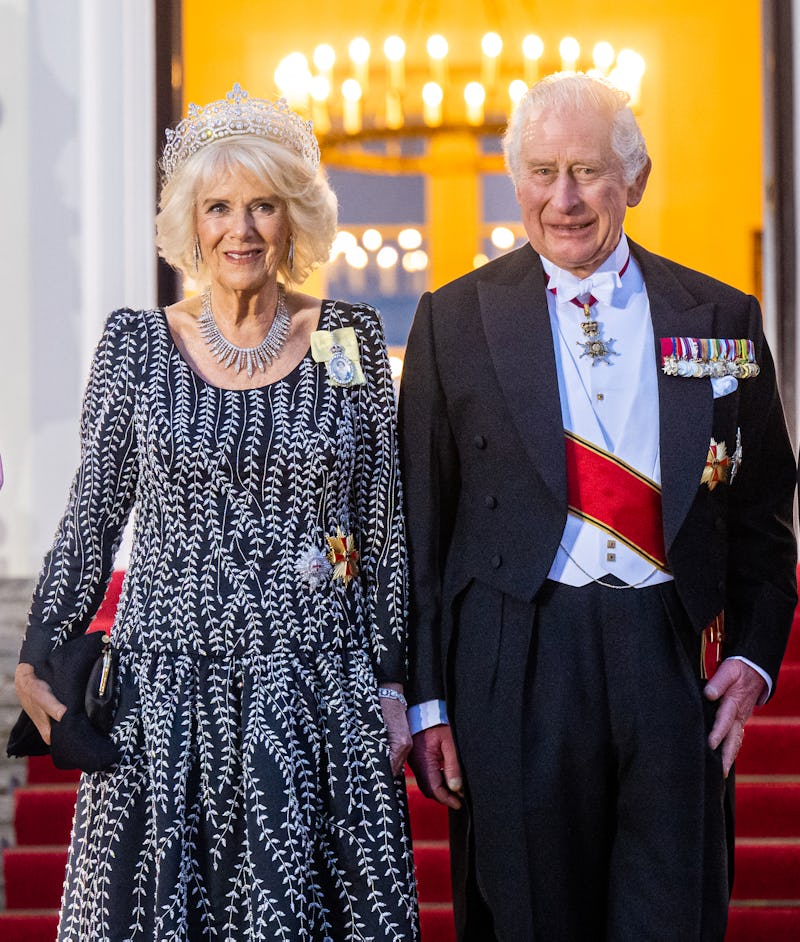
255 799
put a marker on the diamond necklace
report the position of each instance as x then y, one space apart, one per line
228 354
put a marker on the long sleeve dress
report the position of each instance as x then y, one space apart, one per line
254 799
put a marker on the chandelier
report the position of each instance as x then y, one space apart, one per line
434 106
366 99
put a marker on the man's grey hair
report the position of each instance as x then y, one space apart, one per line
577 92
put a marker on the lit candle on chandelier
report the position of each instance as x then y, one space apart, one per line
432 97
437 51
569 49
627 74
324 59
351 95
532 52
395 50
359 51
475 97
320 93
516 92
491 46
603 57
293 77
394 110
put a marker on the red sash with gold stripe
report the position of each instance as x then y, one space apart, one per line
609 493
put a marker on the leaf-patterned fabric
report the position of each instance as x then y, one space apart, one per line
255 799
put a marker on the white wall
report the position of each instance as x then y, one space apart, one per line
77 187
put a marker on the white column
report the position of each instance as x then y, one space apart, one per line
117 159
781 151
77 177
15 406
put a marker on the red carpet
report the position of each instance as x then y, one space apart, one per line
766 893
766 905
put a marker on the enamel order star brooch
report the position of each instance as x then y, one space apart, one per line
718 465
343 556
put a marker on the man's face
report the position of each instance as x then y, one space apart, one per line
572 190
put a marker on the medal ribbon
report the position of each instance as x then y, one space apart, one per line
733 350
609 493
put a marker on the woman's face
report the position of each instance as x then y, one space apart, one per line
243 230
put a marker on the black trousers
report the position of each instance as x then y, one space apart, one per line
596 810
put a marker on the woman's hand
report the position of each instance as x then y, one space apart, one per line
37 700
394 718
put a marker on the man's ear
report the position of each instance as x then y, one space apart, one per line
636 189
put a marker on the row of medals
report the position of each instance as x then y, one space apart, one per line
599 351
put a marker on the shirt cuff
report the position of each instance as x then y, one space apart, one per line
764 696
424 715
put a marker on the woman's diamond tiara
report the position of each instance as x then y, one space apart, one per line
235 115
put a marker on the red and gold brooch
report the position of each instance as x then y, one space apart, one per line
718 465
343 556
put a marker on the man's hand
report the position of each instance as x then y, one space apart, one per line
433 759
738 688
37 700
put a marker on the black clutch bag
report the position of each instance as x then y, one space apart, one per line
82 674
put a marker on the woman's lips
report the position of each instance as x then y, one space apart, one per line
243 256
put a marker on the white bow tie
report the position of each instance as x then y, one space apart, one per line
600 284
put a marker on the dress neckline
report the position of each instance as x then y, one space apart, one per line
229 389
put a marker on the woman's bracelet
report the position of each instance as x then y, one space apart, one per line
388 694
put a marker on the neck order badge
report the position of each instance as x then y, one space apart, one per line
594 346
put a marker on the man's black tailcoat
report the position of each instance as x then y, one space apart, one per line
484 465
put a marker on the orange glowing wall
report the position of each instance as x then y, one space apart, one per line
701 100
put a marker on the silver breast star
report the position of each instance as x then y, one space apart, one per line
598 350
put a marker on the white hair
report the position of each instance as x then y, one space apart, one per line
575 91
311 205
